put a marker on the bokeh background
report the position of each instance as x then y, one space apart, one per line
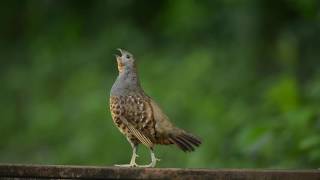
244 75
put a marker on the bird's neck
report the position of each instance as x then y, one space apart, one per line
127 82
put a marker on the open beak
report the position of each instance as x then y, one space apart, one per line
121 51
118 56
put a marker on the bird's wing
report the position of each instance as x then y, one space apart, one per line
185 141
162 122
138 118
142 138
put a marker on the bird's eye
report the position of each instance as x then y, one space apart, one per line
128 57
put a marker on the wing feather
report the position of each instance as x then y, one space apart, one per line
142 138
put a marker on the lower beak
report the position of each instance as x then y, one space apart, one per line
117 56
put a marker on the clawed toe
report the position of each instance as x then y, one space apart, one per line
151 165
136 165
126 165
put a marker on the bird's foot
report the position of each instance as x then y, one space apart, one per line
127 165
151 165
132 162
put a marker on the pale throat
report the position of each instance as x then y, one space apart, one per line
129 74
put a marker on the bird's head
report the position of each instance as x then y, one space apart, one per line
125 60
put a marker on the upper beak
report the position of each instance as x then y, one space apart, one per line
116 55
121 51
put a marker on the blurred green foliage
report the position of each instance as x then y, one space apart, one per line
243 75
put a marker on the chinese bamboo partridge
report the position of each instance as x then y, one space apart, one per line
139 118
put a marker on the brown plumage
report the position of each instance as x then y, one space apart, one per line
139 118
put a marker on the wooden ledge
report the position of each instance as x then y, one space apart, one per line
95 172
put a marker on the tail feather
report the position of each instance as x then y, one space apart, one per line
179 144
185 141
195 141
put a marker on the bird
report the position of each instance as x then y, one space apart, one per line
139 118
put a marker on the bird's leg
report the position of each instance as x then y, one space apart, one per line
133 157
153 160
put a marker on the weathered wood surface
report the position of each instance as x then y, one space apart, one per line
13 171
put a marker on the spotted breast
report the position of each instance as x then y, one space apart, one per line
137 111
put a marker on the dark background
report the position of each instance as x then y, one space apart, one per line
244 75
